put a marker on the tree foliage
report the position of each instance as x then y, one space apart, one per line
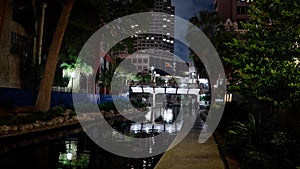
90 15
86 18
212 26
263 58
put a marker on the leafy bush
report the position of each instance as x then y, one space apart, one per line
258 145
31 117
57 111
107 106
5 120
72 114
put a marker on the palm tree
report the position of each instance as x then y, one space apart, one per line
208 22
74 71
105 11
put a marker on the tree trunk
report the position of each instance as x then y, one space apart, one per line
44 94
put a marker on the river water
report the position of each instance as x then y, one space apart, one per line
68 148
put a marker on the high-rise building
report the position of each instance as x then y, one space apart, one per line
157 49
162 25
233 12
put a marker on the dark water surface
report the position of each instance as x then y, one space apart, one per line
68 148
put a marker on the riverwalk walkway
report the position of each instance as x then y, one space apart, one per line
190 154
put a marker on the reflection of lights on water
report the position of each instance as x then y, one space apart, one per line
147 129
168 115
157 127
71 150
70 157
135 128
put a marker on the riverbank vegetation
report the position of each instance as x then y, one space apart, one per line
261 127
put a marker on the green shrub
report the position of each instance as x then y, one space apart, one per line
258 145
42 116
32 117
72 114
57 111
5 120
107 106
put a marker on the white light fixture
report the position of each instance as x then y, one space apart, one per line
72 74
164 39
171 90
69 156
137 89
148 90
228 97
164 26
152 68
182 91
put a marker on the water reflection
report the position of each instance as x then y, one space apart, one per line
70 158
159 120
74 150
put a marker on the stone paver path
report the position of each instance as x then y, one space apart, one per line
189 154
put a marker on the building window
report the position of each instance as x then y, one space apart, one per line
139 60
18 44
242 10
145 61
133 60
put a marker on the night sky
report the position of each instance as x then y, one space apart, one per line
186 9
